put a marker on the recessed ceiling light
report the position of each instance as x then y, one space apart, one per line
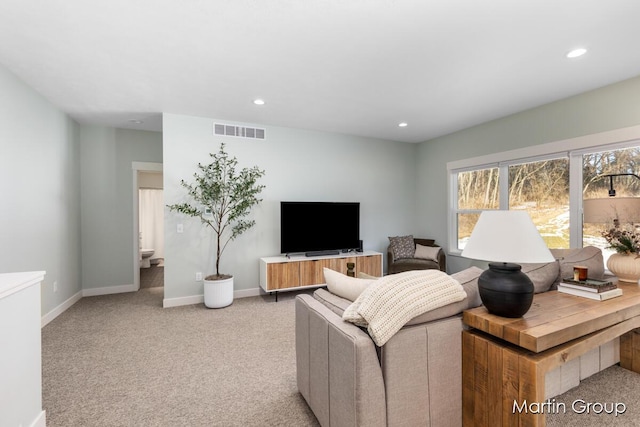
258 101
403 124
576 52
136 121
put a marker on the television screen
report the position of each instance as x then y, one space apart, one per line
318 226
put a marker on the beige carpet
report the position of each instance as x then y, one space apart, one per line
123 360
603 390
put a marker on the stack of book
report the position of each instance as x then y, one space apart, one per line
591 288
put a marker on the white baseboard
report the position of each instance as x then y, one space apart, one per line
244 293
84 293
108 290
199 299
40 421
177 302
166 303
60 309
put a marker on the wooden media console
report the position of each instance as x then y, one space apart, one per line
298 272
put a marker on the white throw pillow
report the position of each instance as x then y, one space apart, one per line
427 252
345 286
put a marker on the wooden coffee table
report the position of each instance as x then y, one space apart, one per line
505 360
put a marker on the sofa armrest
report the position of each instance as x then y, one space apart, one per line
338 372
389 258
422 368
442 261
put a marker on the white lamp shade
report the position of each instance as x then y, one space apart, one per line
506 236
625 209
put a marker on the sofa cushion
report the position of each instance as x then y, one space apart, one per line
427 252
416 263
543 275
402 247
468 278
345 286
589 256
386 306
335 303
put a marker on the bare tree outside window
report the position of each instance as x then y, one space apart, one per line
542 189
478 190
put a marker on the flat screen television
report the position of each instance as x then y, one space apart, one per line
313 227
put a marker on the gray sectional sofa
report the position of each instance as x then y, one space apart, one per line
413 379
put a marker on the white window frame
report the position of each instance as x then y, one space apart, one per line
503 202
573 149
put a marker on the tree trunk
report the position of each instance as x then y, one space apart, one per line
218 254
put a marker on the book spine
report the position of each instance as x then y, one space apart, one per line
587 288
589 283
596 296
579 293
582 288
591 288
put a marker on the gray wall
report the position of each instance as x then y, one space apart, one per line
608 108
67 194
299 165
39 186
107 155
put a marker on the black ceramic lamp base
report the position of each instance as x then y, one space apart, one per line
505 290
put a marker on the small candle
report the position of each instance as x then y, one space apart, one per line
580 273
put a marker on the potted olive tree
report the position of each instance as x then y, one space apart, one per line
222 198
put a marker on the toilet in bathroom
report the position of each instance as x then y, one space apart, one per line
145 257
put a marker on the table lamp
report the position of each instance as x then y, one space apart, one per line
505 238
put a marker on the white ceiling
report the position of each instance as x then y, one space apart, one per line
349 66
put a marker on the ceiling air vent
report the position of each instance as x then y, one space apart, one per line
238 131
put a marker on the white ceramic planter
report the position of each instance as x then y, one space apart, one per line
218 293
625 267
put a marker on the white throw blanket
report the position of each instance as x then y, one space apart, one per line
390 302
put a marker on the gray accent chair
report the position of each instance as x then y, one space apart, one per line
407 264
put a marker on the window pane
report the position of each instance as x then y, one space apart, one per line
596 185
466 223
478 189
542 189
595 165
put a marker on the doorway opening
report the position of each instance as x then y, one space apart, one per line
148 225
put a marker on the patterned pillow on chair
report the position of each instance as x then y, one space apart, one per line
402 247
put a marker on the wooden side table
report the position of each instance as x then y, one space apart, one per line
504 361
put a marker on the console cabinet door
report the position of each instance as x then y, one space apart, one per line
311 272
370 264
339 264
275 275
283 275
